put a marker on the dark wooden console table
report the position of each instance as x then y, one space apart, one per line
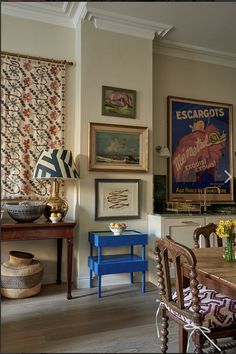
44 230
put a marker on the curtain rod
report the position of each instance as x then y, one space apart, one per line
37 58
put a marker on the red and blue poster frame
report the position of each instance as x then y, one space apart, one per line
201 146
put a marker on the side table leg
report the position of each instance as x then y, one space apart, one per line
90 278
69 266
59 256
99 286
131 277
143 282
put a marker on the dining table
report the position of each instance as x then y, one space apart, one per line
214 271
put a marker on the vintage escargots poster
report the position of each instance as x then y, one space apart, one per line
200 141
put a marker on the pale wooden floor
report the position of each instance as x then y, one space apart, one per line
122 321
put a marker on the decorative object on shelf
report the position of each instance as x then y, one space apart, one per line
118 148
55 217
225 228
56 165
117 198
200 136
118 102
25 211
184 207
163 151
117 228
21 275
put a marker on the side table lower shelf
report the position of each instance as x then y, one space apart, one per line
114 264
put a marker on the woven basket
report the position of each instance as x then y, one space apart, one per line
21 276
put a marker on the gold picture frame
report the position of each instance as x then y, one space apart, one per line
118 148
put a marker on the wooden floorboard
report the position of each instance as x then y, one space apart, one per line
122 321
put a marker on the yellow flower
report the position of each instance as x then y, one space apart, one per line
225 228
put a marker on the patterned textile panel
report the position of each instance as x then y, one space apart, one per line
32 120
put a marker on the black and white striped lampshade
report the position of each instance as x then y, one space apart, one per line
55 163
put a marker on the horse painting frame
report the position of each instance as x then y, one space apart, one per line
118 102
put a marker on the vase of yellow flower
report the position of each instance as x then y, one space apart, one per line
225 228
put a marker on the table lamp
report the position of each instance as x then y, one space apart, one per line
55 165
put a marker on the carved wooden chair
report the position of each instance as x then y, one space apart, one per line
207 232
192 306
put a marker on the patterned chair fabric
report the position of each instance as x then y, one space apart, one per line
194 309
216 309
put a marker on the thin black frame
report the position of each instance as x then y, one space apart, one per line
137 213
122 91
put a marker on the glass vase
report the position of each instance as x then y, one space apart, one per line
229 255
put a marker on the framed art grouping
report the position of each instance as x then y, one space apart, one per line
200 141
118 148
118 102
117 199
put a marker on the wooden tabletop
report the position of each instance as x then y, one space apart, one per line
214 272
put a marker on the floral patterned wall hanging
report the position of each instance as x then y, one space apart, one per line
32 94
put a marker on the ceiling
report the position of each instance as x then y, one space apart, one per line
209 25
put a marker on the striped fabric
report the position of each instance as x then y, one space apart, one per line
217 310
55 163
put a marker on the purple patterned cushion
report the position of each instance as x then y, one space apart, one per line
217 310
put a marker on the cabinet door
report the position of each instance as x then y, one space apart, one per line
181 230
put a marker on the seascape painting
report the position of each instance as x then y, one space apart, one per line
118 147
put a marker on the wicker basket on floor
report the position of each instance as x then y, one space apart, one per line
21 275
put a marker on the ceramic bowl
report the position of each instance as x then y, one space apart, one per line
54 219
117 230
27 211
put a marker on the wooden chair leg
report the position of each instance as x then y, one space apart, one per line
183 339
164 330
198 342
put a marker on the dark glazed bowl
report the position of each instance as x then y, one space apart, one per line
25 211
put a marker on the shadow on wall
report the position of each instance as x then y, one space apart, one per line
159 193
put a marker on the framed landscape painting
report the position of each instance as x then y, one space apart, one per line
200 141
118 102
117 199
118 148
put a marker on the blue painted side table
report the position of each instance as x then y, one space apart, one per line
121 263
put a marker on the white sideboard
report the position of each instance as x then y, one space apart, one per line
180 227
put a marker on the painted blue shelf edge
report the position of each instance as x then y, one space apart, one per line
123 263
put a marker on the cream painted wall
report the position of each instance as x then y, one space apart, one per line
114 60
102 58
191 79
50 41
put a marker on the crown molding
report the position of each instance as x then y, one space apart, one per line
124 24
68 14
185 51
38 11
